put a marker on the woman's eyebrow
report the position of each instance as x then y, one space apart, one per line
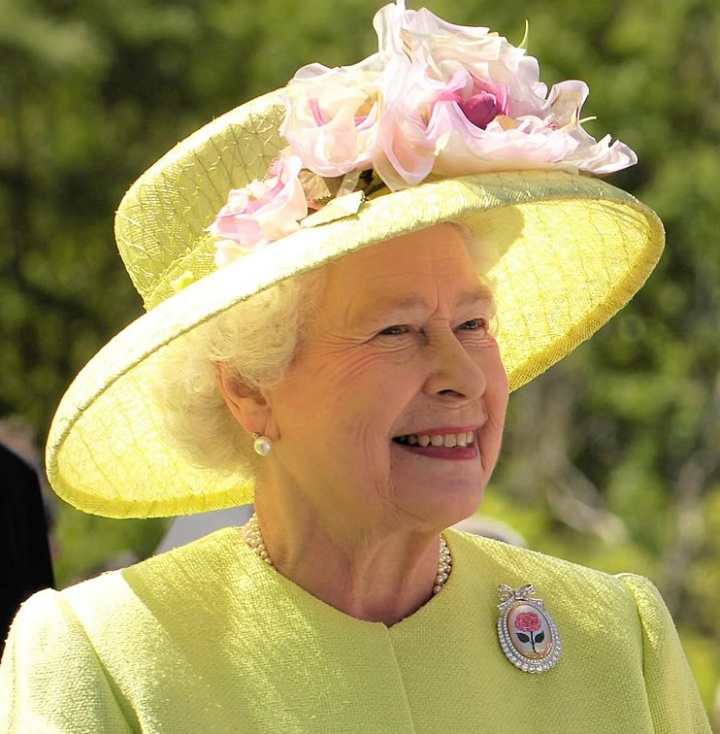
482 294
391 306
385 307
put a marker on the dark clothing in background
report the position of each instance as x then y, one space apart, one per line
25 564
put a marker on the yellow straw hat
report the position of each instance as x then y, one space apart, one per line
568 250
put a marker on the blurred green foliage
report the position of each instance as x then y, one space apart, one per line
611 459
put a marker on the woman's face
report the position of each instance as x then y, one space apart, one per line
394 406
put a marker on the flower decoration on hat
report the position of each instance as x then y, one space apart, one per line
436 99
262 211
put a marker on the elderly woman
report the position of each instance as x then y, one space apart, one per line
322 271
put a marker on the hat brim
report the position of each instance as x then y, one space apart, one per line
568 252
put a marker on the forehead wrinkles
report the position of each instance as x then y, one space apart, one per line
420 270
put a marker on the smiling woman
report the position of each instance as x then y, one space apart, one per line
400 347
322 268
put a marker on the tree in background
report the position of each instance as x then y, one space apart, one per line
611 458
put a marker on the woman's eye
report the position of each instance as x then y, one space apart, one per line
474 325
394 330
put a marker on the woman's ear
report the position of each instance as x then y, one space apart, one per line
247 405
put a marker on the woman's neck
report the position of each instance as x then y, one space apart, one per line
372 575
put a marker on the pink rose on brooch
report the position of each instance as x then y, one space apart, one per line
528 624
261 212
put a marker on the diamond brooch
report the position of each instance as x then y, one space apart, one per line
527 632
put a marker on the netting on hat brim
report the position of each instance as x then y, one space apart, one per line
568 252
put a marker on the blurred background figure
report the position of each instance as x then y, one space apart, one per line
186 528
489 527
25 519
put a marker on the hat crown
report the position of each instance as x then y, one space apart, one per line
160 223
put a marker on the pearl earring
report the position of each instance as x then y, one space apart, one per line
262 444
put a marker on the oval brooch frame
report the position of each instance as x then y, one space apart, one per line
527 632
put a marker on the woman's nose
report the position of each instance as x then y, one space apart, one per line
454 372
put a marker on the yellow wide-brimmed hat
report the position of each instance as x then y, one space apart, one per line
568 249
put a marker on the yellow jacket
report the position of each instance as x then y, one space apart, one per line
209 639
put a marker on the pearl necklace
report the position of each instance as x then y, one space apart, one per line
252 535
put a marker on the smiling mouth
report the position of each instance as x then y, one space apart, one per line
445 440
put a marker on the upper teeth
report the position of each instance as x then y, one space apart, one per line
448 440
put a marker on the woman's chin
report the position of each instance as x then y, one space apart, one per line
445 476
442 504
